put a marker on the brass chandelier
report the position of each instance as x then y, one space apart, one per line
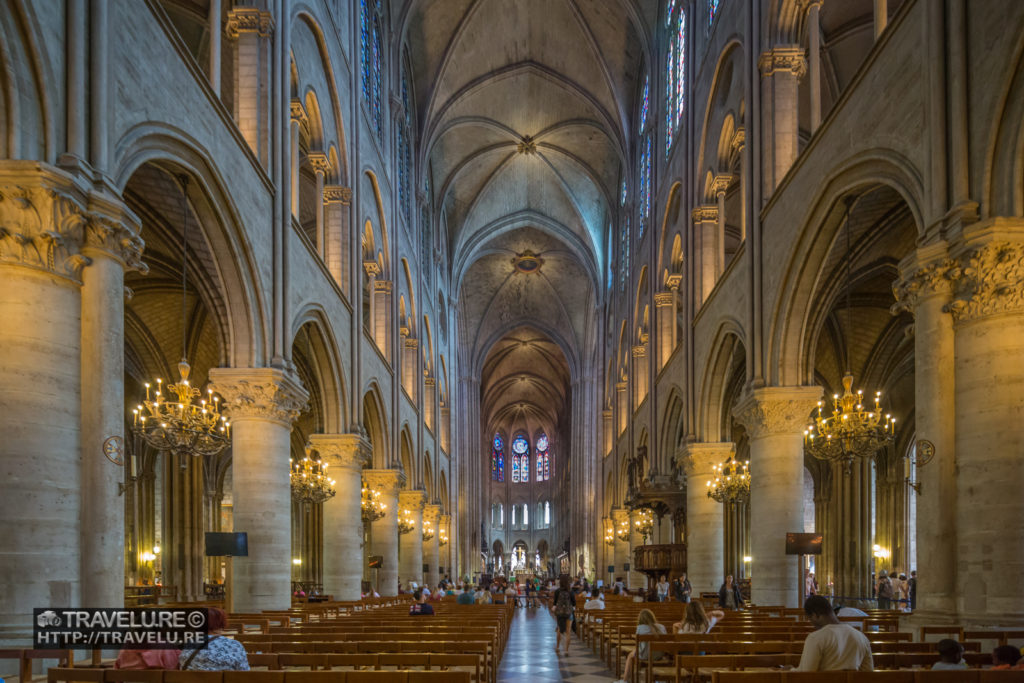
182 422
609 532
644 522
406 523
428 530
309 481
622 533
372 506
442 537
853 431
731 483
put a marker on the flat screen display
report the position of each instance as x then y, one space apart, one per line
230 544
803 544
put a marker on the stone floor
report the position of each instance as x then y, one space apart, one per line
530 654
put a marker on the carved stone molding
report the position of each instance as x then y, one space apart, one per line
432 514
620 386
337 194
930 280
385 481
620 516
121 241
698 459
382 286
372 268
721 183
414 500
706 213
777 410
259 394
663 299
639 351
990 282
249 20
673 281
298 113
429 381
411 343
344 451
739 139
784 59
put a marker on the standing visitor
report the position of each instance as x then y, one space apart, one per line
729 595
663 589
913 590
884 591
564 607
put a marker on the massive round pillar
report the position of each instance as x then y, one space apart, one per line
345 455
384 531
704 518
775 418
262 404
432 514
410 545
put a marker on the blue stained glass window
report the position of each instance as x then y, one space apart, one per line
712 11
644 203
622 193
543 459
520 459
498 459
370 53
645 104
675 73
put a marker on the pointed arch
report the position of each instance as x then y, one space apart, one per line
375 424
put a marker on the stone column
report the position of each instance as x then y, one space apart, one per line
250 29
382 316
111 246
781 70
445 551
988 323
321 167
608 429
384 532
213 17
705 227
429 390
43 222
640 373
337 201
665 313
298 119
775 418
705 560
410 545
345 455
410 358
620 518
719 186
432 514
881 16
622 399
636 579
924 289
739 141
814 60
262 404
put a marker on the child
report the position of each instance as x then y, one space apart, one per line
951 655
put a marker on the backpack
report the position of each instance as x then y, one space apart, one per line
563 605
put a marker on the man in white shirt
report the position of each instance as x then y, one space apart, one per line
596 601
833 646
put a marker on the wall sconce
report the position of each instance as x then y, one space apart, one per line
296 561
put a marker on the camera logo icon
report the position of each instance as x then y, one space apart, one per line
48 618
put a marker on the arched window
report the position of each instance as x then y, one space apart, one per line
370 54
520 460
497 515
405 199
643 194
624 253
712 11
675 70
498 459
543 458
543 520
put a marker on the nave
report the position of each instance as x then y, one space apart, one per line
530 654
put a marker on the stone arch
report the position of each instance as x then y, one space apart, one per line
727 352
1003 191
725 82
443 489
669 221
380 227
313 322
226 243
786 361
26 119
375 424
405 454
672 425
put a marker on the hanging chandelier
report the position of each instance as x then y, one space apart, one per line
853 431
644 522
609 532
622 533
731 483
406 523
372 506
309 481
442 537
182 422
428 530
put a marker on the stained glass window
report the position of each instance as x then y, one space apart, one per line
405 152
520 460
645 104
624 253
543 458
370 52
712 11
644 195
675 72
622 193
498 459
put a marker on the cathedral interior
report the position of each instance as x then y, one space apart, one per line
407 289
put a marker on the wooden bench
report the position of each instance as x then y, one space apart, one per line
966 676
72 675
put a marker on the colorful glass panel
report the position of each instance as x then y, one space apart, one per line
543 459
498 459
712 11
645 104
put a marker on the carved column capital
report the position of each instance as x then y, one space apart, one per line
249 20
673 281
739 139
698 459
429 381
385 481
706 213
344 451
639 351
319 162
620 516
990 281
934 279
298 113
720 183
777 410
372 268
663 299
382 286
413 500
337 194
411 343
432 514
620 386
784 59
259 394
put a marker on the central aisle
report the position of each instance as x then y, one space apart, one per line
530 654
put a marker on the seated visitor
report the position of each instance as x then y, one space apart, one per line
951 655
832 646
220 654
596 600
147 659
421 606
466 597
647 623
696 620
1005 657
842 611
